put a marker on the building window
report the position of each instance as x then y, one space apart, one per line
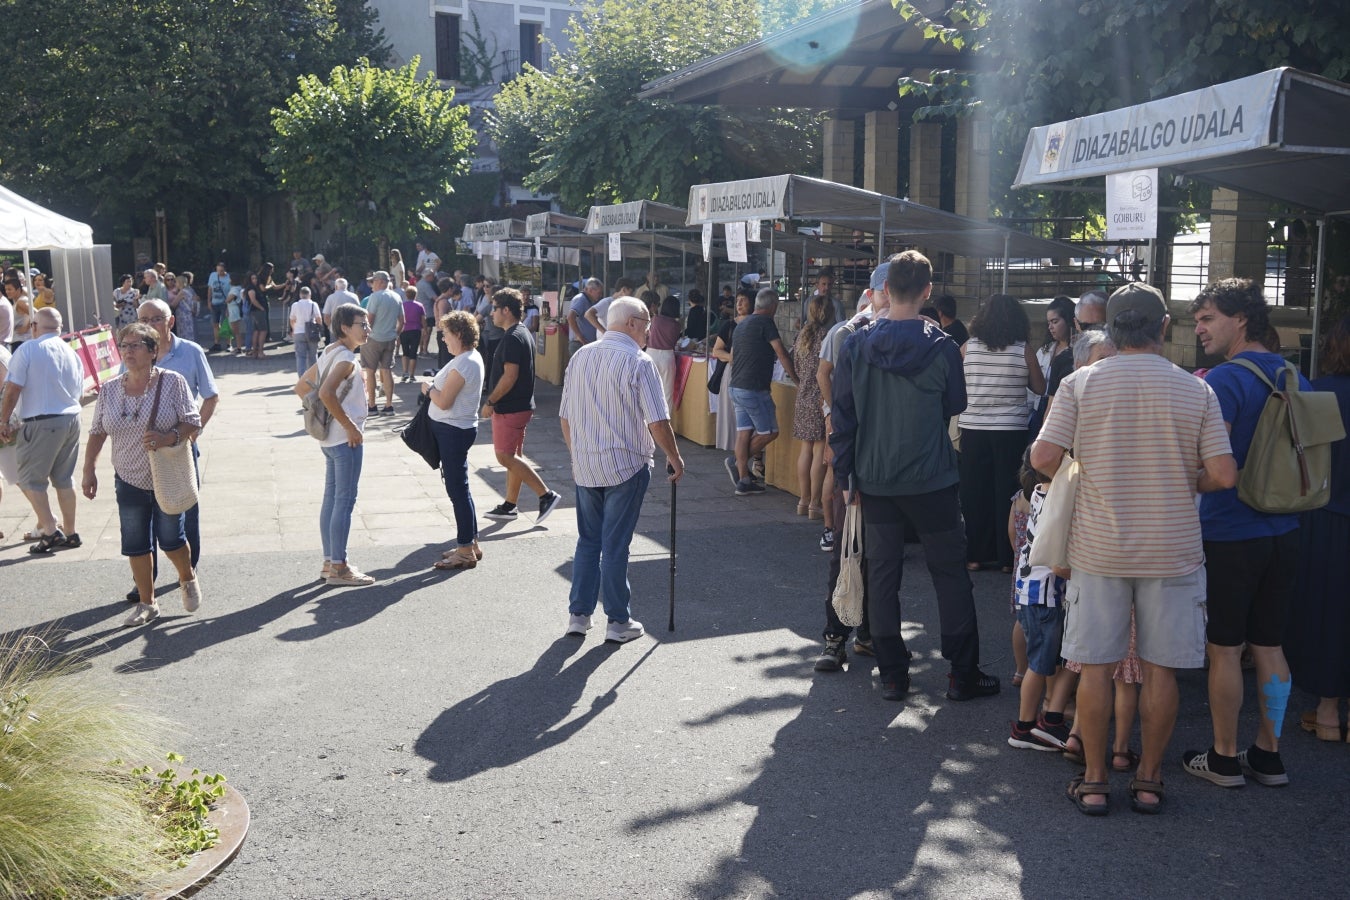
447 47
530 48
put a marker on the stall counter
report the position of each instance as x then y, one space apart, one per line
691 418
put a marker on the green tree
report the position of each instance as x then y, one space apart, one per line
374 145
580 130
117 106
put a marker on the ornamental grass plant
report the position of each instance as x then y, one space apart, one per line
72 819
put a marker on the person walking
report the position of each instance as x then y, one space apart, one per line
613 416
454 393
45 383
145 408
339 378
306 323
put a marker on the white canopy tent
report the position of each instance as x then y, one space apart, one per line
25 226
1280 134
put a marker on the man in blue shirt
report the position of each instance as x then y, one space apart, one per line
1251 557
218 291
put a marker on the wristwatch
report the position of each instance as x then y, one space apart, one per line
825 409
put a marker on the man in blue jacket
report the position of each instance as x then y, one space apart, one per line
896 385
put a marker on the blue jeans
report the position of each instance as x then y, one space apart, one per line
305 354
143 522
342 470
606 517
455 443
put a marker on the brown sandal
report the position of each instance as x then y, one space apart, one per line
462 558
1149 787
1308 722
1078 789
1131 760
1073 750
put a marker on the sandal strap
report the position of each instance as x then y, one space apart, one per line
1083 788
1152 787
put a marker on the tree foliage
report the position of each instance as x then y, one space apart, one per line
376 145
580 130
1047 61
113 104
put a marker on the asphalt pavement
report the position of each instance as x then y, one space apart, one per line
435 736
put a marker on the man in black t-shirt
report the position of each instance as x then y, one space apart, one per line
510 406
755 345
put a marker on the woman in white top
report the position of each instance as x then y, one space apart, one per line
454 394
343 393
398 274
1000 365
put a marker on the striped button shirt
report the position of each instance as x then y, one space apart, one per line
996 387
1144 427
611 393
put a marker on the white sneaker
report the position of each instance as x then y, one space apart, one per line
623 632
192 594
578 625
143 614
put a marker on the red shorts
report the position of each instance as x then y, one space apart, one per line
508 431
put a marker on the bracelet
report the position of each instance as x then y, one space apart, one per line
177 436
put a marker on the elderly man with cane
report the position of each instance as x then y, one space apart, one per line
613 416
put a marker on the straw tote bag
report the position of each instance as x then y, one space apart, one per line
171 470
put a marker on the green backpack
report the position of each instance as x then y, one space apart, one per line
1288 467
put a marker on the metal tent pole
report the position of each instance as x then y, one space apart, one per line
1317 296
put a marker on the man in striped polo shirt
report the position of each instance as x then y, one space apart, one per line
613 416
1148 437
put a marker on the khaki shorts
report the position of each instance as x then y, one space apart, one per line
1169 616
377 354
47 452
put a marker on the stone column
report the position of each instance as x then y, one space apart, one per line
881 152
838 156
1237 236
972 200
925 163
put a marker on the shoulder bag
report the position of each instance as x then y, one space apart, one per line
848 590
172 473
1050 547
419 437
317 416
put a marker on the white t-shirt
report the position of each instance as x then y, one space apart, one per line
463 413
354 404
303 311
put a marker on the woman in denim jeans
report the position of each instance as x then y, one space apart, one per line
343 394
454 394
126 405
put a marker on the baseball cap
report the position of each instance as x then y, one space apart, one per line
1137 297
318 257
879 276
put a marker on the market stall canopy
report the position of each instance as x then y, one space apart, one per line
24 225
544 223
1280 134
846 59
635 215
900 221
495 230
666 244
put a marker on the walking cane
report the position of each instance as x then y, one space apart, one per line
670 470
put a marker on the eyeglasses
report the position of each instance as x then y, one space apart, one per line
152 320
645 320
132 345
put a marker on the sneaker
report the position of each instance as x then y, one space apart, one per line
979 685
757 467
133 595
505 512
387 411
428 373
143 614
735 473
749 486
1225 771
349 577
192 594
1056 735
547 504
896 690
623 632
1030 740
831 659
578 625
827 540
1263 766
864 648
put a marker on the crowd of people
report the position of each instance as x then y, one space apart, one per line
954 435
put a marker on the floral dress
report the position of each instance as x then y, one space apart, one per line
125 304
808 421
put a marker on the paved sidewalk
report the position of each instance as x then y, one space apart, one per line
435 736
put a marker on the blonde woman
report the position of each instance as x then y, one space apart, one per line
808 419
